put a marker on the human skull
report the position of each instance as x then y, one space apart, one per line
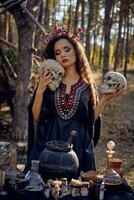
55 69
113 82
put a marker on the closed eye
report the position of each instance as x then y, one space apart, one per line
67 49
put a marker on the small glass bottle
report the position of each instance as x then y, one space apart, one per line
64 188
36 182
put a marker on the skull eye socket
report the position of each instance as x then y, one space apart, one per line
60 74
109 78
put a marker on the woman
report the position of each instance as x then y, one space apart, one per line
73 106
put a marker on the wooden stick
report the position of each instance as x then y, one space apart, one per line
11 5
28 13
7 2
34 20
36 62
131 8
8 64
8 43
37 57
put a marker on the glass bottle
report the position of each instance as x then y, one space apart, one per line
36 182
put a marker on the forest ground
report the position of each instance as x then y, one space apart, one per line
117 125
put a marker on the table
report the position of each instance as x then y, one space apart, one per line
122 192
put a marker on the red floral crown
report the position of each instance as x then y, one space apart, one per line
61 30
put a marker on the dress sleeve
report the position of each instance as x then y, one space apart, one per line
97 125
31 131
32 124
97 131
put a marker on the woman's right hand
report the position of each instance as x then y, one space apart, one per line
43 83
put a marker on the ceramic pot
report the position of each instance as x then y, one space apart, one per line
58 160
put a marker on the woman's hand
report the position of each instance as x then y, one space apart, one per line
43 83
104 100
108 97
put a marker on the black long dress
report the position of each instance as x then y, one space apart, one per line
60 114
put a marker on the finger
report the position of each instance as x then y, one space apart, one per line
46 76
45 79
47 73
124 93
121 92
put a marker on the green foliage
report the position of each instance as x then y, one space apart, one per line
11 54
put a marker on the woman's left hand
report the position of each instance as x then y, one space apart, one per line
108 97
105 99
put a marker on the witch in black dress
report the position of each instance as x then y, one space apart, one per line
72 106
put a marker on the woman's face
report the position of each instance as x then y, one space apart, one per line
65 53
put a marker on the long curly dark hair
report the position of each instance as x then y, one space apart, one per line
82 64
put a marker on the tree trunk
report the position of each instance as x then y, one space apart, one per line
123 46
76 15
88 31
118 44
126 47
107 31
100 53
82 18
25 29
70 13
24 65
47 15
94 47
38 31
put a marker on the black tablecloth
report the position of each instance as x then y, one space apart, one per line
122 192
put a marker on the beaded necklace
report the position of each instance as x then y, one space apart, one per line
66 107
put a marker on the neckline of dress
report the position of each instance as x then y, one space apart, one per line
79 80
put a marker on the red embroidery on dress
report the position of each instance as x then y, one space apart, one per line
66 107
